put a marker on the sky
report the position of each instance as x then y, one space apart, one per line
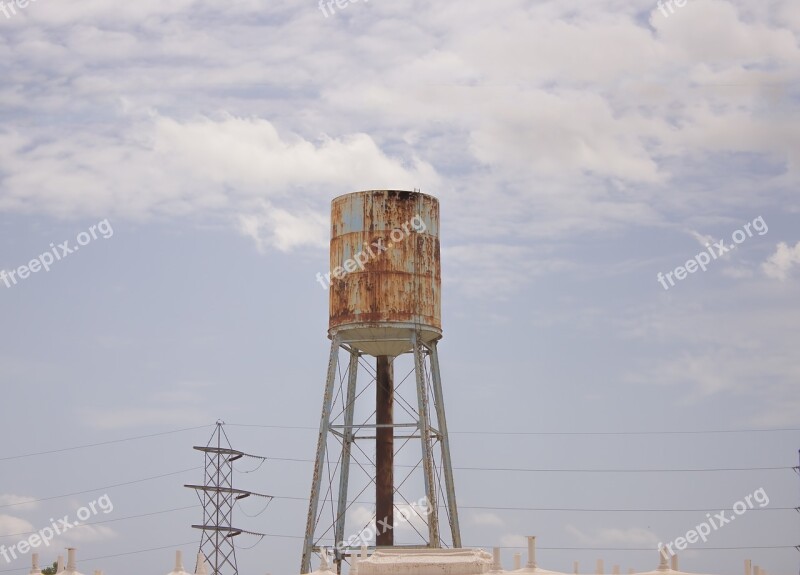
612 372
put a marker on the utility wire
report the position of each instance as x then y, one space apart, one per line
581 509
109 520
137 552
457 432
558 470
544 433
481 507
29 501
110 442
629 510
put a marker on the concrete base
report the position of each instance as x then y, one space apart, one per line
426 562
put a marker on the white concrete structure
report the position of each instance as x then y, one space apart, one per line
201 565
72 566
426 562
531 566
664 568
35 564
410 561
178 569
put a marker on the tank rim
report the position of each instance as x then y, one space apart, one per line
362 192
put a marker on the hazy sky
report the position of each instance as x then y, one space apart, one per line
579 148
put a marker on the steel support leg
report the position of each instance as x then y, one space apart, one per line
425 438
322 442
347 443
438 398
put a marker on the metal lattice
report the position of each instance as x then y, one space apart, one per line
345 472
218 497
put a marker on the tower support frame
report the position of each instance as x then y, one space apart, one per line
337 423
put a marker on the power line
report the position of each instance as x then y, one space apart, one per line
696 470
675 432
560 470
110 442
481 507
628 510
108 520
116 555
457 432
29 501
153 477
581 509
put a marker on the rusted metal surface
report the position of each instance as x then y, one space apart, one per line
385 259
384 451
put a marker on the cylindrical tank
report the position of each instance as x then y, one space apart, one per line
385 270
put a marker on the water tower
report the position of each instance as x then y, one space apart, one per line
383 398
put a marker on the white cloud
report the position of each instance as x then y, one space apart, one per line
18 501
276 228
408 521
485 518
613 536
569 131
13 525
702 239
513 540
779 264
209 168
572 145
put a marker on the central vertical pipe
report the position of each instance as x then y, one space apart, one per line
384 452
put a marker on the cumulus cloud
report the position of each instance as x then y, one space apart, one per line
780 264
17 501
229 167
703 239
513 540
485 518
614 535
10 524
271 227
408 521
164 120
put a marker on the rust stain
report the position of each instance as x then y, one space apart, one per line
393 270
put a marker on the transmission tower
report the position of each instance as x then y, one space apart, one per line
218 498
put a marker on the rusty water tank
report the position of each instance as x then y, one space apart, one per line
385 270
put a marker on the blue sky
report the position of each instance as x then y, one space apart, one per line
578 149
